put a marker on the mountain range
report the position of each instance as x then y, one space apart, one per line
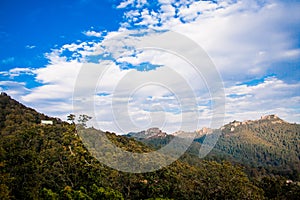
268 143
50 161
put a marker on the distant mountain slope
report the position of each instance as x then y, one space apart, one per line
269 143
151 133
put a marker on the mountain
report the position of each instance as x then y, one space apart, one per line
150 133
51 162
267 144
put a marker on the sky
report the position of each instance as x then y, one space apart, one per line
83 57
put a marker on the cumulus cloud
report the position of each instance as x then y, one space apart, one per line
54 95
133 109
241 37
133 3
124 4
272 96
19 71
92 33
14 88
244 39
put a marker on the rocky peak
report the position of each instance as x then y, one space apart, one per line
274 119
154 131
204 131
269 117
149 133
235 125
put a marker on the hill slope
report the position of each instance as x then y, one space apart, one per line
269 143
14 115
50 162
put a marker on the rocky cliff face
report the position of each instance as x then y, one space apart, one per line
272 119
149 133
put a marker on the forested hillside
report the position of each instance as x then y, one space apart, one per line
269 145
50 162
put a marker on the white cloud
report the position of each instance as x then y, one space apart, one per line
30 46
243 38
125 3
93 33
133 3
130 101
233 33
272 96
15 72
19 71
13 88
58 80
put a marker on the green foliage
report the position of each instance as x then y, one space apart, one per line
276 187
263 144
71 118
83 119
51 162
48 194
105 193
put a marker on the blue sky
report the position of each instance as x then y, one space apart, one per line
254 45
29 29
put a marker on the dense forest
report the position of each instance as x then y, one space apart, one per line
268 145
265 146
50 162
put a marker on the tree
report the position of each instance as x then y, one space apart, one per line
83 119
71 118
